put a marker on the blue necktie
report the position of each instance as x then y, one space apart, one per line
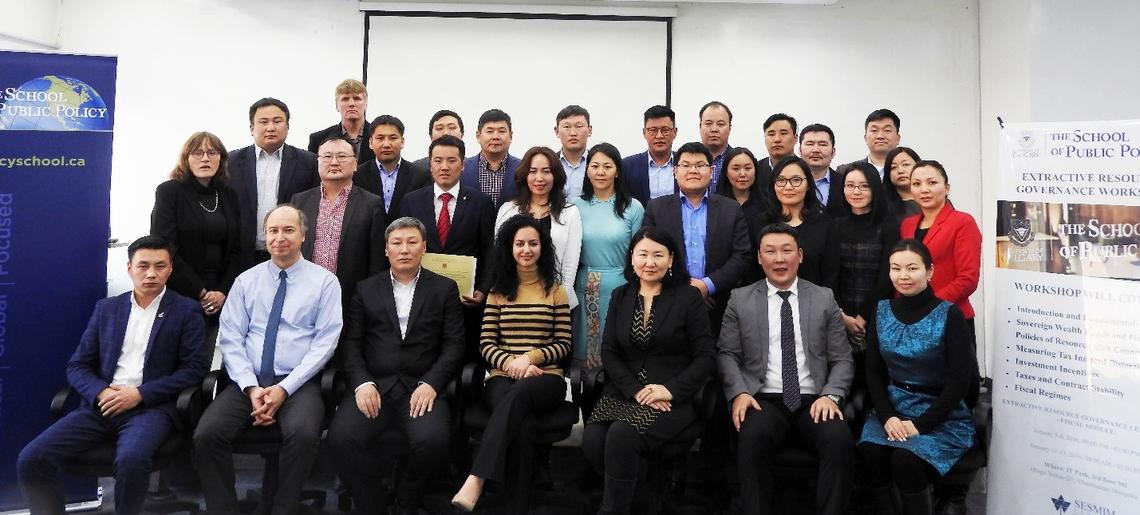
790 372
265 378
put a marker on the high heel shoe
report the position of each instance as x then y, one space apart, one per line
463 504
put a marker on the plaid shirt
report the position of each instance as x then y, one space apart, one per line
330 220
491 181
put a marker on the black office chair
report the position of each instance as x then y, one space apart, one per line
551 427
100 461
266 442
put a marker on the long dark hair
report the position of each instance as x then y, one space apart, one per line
679 275
880 208
622 198
504 272
893 196
724 185
774 210
558 191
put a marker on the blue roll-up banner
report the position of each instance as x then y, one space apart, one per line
56 121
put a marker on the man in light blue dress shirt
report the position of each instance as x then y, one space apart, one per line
279 327
572 126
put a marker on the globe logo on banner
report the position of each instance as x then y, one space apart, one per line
53 103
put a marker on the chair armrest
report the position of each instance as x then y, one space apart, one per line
593 381
574 373
190 405
332 385
471 381
60 401
854 410
213 383
705 399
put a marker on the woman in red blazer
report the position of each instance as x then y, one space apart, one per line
952 236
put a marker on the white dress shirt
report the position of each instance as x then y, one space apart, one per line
268 180
132 357
774 379
454 191
403 294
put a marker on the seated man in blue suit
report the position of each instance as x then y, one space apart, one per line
649 175
139 350
492 170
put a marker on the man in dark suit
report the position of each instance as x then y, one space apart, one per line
139 350
460 221
492 170
352 104
716 126
444 121
389 176
649 175
402 344
785 365
817 148
780 140
344 237
881 134
267 173
710 228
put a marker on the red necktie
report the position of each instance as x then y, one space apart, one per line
443 225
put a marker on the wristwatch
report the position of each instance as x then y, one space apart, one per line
836 399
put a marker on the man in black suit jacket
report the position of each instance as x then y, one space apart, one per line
352 104
817 148
724 243
444 121
881 134
285 170
357 245
649 174
402 345
389 176
780 140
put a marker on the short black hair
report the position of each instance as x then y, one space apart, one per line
817 127
385 119
152 242
780 116
448 140
440 114
693 147
338 138
266 102
930 163
715 103
572 110
494 115
913 245
880 114
777 228
659 111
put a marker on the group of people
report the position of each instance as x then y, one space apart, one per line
783 281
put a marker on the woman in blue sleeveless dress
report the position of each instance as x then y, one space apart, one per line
920 364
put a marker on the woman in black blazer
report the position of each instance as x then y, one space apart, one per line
198 213
657 352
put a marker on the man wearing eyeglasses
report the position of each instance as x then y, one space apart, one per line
649 175
389 176
710 229
716 125
817 148
572 126
346 236
267 173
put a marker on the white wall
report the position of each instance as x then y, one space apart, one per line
29 24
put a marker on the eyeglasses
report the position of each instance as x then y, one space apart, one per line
700 167
199 154
339 157
857 187
664 131
783 182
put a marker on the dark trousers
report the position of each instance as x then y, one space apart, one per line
299 420
765 431
511 426
352 436
885 465
615 448
137 434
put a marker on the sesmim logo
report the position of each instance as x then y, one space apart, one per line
1079 507
1060 504
1020 232
53 103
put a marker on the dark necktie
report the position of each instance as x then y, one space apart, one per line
790 372
443 225
265 378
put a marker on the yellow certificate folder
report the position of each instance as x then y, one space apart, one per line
460 269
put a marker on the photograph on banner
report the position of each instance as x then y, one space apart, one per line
1066 435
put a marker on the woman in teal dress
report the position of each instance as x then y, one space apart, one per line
610 216
920 364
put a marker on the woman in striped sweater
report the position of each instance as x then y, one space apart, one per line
526 334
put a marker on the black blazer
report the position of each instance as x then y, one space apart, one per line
361 251
432 351
298 173
178 218
410 178
836 201
472 226
681 355
726 237
362 155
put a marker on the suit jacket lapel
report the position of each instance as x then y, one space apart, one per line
388 297
939 221
418 298
426 213
710 232
159 318
350 212
761 318
249 166
662 305
286 177
459 210
804 303
122 318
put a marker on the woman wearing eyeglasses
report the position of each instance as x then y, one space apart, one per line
198 212
791 199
